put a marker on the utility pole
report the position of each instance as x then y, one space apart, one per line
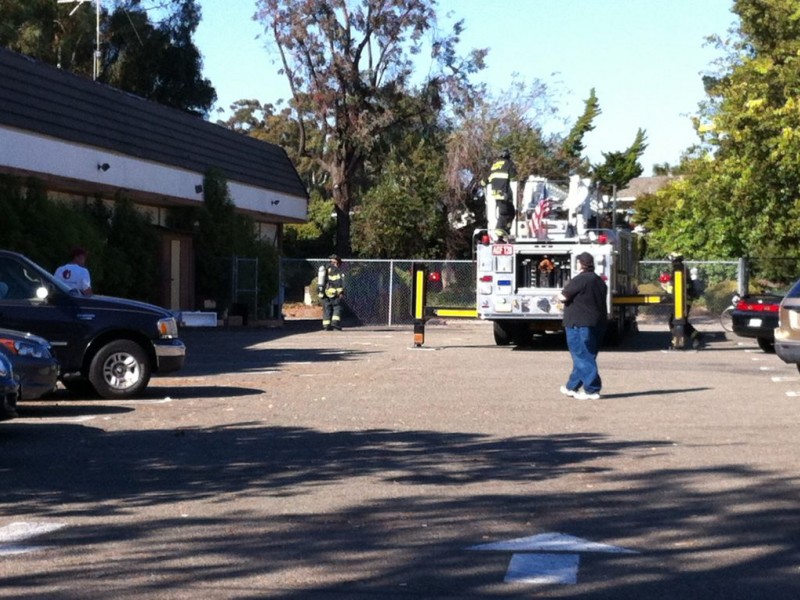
96 61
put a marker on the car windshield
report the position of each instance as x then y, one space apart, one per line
794 292
19 279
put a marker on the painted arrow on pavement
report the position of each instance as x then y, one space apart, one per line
548 557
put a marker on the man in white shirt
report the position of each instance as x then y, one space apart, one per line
75 274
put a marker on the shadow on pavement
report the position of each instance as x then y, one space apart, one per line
403 545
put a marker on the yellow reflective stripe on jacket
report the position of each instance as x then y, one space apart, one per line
334 282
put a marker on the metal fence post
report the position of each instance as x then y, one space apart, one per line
743 277
391 289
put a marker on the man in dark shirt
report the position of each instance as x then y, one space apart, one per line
585 320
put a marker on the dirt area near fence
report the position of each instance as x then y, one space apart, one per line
298 310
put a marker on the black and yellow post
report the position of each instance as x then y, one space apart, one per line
419 288
679 318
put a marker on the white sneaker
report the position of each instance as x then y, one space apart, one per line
567 392
582 395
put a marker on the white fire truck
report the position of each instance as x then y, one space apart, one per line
520 277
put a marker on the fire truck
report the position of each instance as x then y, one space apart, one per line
519 276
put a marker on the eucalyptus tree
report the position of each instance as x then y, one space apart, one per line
155 60
349 64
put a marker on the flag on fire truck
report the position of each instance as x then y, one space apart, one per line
537 226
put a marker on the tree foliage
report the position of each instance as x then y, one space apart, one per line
348 62
402 216
512 120
741 192
572 147
129 260
122 243
620 167
31 218
222 234
278 125
157 61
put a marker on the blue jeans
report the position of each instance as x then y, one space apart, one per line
583 344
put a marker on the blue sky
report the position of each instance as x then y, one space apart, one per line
643 57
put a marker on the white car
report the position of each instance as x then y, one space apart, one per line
787 333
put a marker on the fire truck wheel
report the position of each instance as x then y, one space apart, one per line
523 336
613 333
502 333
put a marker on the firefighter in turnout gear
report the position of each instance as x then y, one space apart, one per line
330 288
503 171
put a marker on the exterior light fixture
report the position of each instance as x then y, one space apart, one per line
103 167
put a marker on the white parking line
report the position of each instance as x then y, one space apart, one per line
780 378
21 531
129 401
81 419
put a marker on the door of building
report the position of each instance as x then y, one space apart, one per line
177 283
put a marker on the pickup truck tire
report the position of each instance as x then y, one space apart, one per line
120 369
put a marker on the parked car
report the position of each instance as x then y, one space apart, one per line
9 390
106 345
34 365
756 316
787 333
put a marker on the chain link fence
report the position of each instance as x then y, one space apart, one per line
379 292
716 283
236 289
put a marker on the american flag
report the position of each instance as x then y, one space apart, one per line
540 211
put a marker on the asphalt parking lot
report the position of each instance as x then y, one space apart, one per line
297 463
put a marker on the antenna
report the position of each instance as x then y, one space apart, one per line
96 62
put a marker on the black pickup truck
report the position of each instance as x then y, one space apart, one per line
106 345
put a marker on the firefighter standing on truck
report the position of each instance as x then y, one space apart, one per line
330 288
503 171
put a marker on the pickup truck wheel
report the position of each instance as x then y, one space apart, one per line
120 369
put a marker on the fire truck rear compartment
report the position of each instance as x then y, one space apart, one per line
542 270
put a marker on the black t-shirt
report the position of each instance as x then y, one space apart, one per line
586 301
